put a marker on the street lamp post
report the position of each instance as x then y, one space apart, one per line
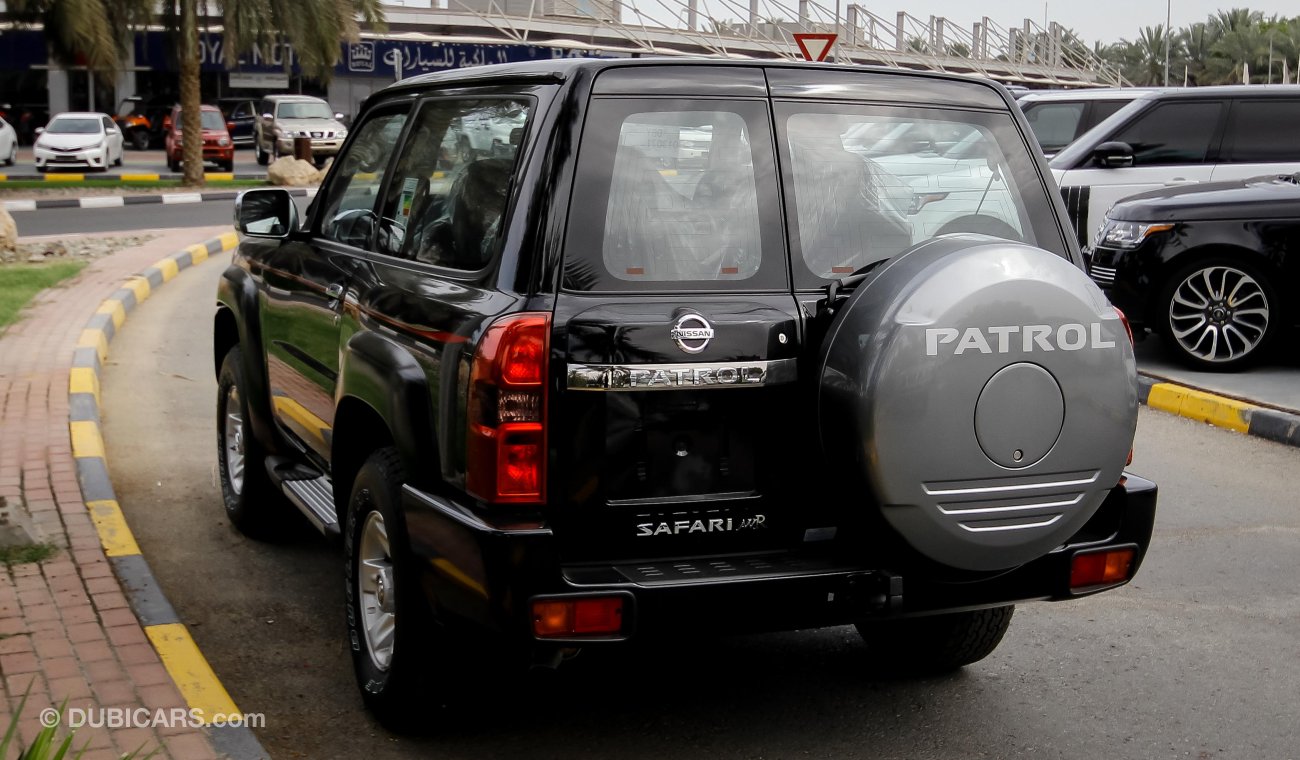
1169 41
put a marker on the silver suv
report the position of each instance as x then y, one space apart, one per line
285 117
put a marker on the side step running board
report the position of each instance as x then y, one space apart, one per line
308 490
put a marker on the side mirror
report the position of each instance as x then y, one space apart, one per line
111 130
1113 155
266 213
268 117
338 116
40 130
230 126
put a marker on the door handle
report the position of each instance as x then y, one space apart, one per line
1181 181
334 291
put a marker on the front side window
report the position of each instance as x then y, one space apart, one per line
674 194
446 203
1263 131
348 212
856 202
1055 124
1172 133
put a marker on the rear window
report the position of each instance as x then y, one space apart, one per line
673 195
1263 131
931 172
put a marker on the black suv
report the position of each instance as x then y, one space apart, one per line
673 360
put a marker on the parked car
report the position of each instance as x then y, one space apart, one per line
1210 267
285 117
1059 117
1178 137
241 118
584 391
217 147
90 140
8 143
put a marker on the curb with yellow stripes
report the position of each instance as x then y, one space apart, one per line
127 177
190 671
1220 411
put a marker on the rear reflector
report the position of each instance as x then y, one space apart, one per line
578 617
1101 568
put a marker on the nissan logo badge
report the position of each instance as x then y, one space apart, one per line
691 333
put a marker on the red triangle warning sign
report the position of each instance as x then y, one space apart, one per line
815 46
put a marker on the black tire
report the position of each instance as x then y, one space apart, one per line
12 158
253 504
173 165
259 152
392 684
936 643
1246 334
140 139
118 162
983 225
42 169
228 166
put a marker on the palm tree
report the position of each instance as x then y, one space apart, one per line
94 32
1235 47
313 27
1195 42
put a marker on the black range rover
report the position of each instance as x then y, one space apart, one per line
674 361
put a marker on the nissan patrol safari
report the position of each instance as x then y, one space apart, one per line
674 360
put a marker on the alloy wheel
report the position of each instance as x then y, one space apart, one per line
234 441
1219 314
378 594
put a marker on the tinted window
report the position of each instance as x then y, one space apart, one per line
676 194
348 215
1263 131
447 199
1054 124
1172 133
1104 109
850 203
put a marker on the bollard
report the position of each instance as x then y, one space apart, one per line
302 149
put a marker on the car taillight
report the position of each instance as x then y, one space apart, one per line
1127 327
506 446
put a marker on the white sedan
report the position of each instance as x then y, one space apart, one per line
89 140
8 143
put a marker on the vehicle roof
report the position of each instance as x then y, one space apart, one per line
1226 90
79 115
202 107
289 98
563 68
1103 93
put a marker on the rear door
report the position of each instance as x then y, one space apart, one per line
675 430
1173 142
1260 139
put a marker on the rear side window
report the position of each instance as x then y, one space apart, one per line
675 194
1172 133
1263 131
1055 124
1104 109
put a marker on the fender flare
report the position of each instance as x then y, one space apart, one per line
237 296
385 377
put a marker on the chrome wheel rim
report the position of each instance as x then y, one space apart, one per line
1219 314
378 594
234 441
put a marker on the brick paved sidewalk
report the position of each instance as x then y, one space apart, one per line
66 630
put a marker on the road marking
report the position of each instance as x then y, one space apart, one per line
221 176
168 267
182 198
114 533
113 308
1199 405
190 671
198 253
101 201
86 440
20 205
65 178
84 380
229 240
139 177
91 338
140 286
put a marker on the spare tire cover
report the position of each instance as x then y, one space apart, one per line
989 391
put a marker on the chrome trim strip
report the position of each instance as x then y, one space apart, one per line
664 377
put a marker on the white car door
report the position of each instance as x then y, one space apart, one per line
1260 139
1171 143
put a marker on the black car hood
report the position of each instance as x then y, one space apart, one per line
1268 197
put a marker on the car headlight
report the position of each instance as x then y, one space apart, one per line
342 133
1121 234
223 142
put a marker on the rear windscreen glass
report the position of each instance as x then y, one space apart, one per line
675 194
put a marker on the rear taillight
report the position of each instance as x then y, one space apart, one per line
506 445
1127 327
1101 568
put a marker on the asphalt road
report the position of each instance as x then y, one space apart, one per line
1198 658
135 162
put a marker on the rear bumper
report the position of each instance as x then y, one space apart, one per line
486 575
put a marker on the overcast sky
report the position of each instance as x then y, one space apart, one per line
1104 20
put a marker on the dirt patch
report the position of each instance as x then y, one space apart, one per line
70 247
